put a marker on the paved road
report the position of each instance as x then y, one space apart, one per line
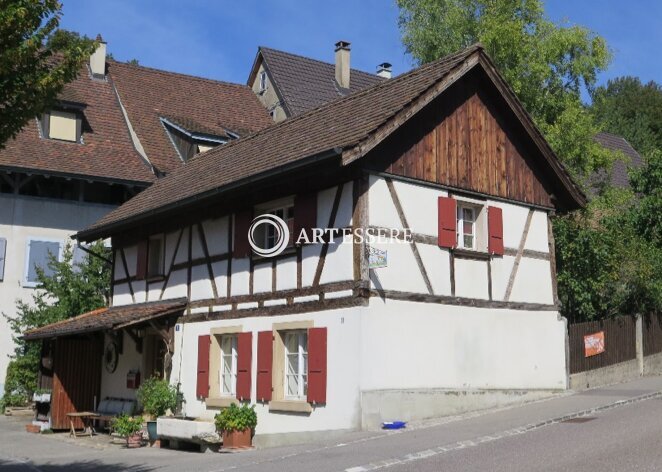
621 437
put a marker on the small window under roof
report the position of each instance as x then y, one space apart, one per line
63 125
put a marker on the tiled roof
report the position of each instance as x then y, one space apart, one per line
306 83
107 318
106 152
149 94
340 125
619 173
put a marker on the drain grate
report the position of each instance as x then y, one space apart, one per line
580 419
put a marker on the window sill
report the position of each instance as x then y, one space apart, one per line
471 254
155 278
289 251
296 406
221 402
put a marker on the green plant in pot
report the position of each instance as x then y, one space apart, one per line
156 396
237 424
129 427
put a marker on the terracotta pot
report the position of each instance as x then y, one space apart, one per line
33 428
134 441
237 439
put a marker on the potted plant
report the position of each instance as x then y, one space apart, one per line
237 424
129 427
156 396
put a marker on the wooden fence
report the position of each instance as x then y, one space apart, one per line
619 342
652 334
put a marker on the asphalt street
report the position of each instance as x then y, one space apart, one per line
619 430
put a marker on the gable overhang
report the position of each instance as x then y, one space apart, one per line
261 60
576 199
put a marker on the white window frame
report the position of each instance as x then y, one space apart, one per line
460 226
26 283
161 272
282 205
232 355
302 365
262 81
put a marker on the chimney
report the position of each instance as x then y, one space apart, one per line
384 70
342 63
98 60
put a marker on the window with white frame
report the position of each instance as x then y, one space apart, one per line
466 227
267 235
228 371
38 256
263 81
155 257
296 365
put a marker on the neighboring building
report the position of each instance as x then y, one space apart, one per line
324 337
288 85
110 133
628 158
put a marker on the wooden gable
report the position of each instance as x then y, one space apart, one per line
468 138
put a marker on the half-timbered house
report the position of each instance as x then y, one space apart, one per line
459 312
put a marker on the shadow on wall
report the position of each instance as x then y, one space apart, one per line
97 466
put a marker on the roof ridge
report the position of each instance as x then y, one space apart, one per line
312 59
180 74
352 96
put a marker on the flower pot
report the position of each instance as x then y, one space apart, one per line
134 441
151 431
33 428
237 439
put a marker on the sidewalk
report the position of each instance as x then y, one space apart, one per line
358 451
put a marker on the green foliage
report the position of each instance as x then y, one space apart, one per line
631 109
125 425
647 183
546 64
34 67
157 396
74 288
236 418
606 266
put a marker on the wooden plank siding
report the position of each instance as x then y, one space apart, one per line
76 378
467 139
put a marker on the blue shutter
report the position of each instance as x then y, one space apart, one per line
3 252
78 258
39 251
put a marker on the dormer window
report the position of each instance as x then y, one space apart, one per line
204 147
263 81
190 138
62 125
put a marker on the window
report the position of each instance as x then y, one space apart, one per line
62 125
263 81
466 227
204 148
267 235
296 365
38 252
228 371
155 258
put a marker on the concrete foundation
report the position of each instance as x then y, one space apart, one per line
653 364
617 373
378 406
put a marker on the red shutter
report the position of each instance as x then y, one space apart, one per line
317 365
447 221
141 264
242 222
305 214
495 230
202 388
244 359
265 343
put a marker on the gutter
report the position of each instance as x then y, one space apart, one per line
105 230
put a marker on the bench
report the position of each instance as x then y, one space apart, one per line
110 408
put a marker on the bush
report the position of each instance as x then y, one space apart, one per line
235 418
157 396
126 425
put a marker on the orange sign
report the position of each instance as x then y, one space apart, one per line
594 344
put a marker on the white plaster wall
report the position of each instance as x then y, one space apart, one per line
343 377
420 345
114 385
22 218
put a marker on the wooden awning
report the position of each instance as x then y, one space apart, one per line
106 319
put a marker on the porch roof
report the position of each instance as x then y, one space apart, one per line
103 319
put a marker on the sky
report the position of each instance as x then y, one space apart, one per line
219 38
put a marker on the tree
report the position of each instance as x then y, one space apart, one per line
631 109
546 64
72 289
35 62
